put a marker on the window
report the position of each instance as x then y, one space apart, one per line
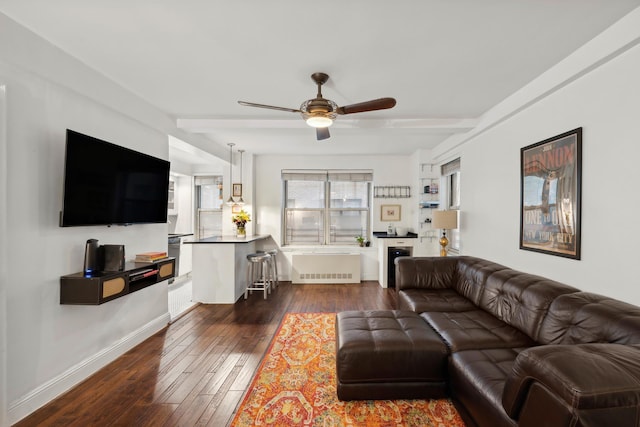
208 195
451 176
326 207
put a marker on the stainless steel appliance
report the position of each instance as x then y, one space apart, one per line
174 251
182 255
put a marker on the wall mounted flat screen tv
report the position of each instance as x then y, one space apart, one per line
106 184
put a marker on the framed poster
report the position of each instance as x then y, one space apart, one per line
390 213
550 189
237 190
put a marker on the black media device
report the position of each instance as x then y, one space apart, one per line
112 257
91 257
107 184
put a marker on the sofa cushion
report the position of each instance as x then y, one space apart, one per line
475 329
388 354
596 381
420 300
425 272
471 276
520 299
478 378
583 317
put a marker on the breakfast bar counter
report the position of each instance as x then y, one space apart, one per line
219 267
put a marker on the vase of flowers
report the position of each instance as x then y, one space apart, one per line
240 220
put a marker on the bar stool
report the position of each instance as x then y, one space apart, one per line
273 266
258 273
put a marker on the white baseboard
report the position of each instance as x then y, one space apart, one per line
78 373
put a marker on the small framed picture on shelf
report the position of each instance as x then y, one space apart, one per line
390 213
237 190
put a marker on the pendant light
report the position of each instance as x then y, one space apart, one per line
241 201
230 201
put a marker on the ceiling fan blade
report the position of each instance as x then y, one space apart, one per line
375 104
271 107
322 133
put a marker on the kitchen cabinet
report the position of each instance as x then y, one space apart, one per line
172 205
389 244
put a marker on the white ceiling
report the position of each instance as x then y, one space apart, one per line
445 62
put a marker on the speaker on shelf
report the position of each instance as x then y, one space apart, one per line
91 257
113 257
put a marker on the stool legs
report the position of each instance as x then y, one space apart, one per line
273 266
258 279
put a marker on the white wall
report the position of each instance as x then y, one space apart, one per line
183 221
387 170
51 346
601 95
3 259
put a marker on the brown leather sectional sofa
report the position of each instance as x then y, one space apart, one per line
525 350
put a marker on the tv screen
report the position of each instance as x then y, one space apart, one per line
108 184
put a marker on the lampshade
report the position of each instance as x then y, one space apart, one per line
445 220
319 112
319 121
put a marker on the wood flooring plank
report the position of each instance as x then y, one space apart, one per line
226 410
190 410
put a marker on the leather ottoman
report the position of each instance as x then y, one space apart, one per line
388 354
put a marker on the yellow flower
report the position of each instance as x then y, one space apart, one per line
241 218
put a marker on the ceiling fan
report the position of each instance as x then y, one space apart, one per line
320 112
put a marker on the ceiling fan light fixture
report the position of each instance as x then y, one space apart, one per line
320 112
319 121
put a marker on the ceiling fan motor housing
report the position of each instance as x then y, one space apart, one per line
320 112
319 107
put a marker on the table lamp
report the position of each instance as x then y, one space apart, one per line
445 220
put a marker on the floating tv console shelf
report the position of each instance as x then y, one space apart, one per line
105 286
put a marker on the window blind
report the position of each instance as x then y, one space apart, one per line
304 175
327 175
207 180
450 167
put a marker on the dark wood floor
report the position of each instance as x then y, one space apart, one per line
196 371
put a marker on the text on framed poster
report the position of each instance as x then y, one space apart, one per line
550 191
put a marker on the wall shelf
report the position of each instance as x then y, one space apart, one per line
392 191
429 200
105 286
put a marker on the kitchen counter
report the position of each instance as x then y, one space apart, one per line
384 235
180 234
220 267
229 239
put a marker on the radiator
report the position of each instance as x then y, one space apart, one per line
325 268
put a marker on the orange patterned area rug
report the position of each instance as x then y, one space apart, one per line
296 386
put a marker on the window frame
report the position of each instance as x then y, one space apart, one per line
327 234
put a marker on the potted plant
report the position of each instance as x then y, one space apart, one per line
240 220
360 240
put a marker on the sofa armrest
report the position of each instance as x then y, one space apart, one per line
585 379
425 272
